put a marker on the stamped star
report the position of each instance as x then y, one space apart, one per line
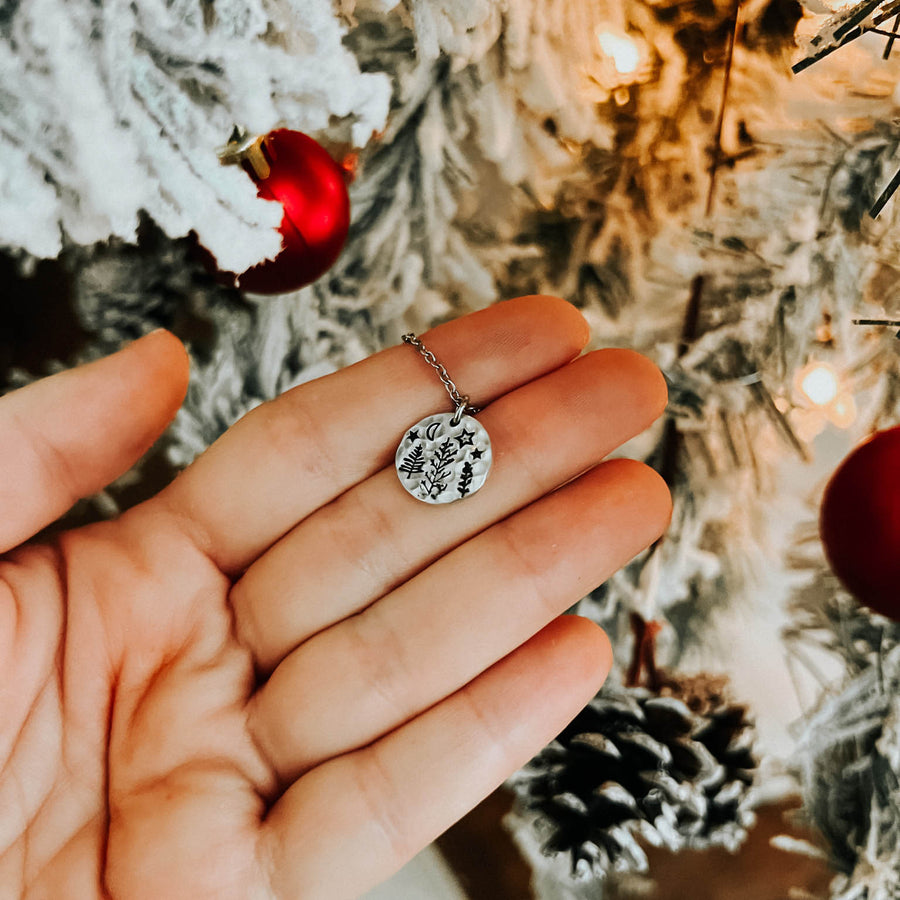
476 453
465 438
413 435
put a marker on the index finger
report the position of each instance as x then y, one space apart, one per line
292 455
69 435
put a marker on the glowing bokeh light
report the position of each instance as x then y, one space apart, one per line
621 49
819 383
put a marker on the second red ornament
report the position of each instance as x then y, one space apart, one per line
860 522
291 168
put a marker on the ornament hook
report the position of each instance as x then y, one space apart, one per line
243 147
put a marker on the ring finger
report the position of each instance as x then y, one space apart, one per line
435 633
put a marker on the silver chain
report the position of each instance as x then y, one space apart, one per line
460 400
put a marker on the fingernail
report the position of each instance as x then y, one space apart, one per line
143 337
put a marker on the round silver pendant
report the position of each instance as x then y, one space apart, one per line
439 462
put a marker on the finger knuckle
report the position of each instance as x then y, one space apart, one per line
289 433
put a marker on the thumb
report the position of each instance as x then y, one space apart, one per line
67 436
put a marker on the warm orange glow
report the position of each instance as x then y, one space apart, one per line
621 49
843 411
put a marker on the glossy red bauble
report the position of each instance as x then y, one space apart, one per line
860 522
312 188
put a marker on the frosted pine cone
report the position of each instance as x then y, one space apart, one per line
672 766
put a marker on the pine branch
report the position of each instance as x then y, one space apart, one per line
435 481
838 31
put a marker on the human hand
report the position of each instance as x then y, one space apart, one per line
283 676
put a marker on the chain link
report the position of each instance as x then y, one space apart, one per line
460 400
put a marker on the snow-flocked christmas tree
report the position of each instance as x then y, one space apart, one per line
656 163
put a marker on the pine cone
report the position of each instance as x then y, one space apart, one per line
674 767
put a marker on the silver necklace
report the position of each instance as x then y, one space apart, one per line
445 456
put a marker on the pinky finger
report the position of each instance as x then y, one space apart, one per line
353 821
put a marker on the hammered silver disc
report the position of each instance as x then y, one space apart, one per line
439 462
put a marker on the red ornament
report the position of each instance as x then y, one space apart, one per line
860 522
297 172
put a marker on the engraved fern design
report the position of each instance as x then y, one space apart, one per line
414 461
435 480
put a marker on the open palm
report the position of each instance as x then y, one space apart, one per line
283 675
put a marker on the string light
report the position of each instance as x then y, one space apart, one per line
623 59
621 49
822 397
818 383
